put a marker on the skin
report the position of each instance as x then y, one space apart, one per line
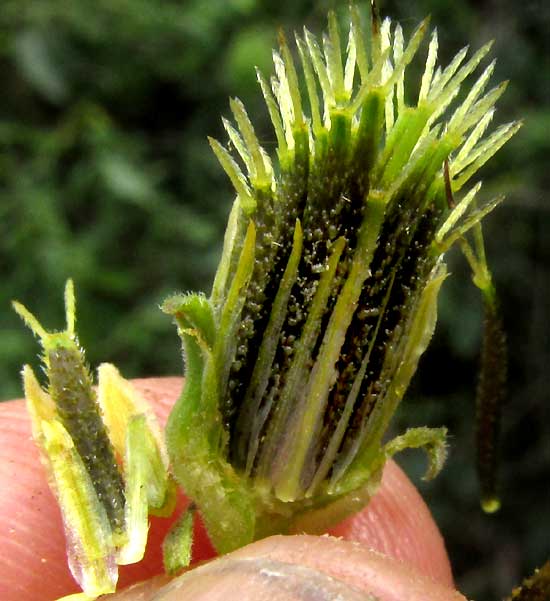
392 549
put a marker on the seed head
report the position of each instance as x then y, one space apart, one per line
326 293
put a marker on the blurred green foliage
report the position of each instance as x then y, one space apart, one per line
106 176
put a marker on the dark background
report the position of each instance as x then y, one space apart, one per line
106 176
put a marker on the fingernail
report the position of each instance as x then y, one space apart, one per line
257 579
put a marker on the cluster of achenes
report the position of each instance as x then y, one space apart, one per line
326 292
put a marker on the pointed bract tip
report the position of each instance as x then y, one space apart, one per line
375 18
70 307
425 23
30 320
281 37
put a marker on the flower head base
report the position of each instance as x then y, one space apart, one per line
326 293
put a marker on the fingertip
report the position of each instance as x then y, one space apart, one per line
398 523
300 568
385 577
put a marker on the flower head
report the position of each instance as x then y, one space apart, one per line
326 293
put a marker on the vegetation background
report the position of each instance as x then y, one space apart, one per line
106 176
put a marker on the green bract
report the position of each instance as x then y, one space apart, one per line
326 293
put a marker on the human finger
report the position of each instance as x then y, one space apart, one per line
299 568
